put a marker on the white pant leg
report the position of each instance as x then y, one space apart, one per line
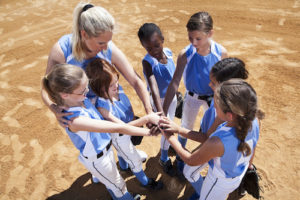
105 169
192 173
191 106
215 187
127 151
164 143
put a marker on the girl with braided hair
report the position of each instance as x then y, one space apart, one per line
230 148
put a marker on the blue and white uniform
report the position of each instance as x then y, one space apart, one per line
163 74
192 173
65 43
122 109
196 81
226 172
95 151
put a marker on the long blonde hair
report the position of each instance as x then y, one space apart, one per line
64 78
94 20
238 97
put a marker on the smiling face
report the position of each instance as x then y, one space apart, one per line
154 46
113 89
94 45
199 38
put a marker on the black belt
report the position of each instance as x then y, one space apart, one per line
204 97
101 153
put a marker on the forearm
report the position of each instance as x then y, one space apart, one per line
103 126
193 135
139 122
143 94
171 91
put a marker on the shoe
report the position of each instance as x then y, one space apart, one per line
167 167
154 185
136 196
95 180
194 196
143 155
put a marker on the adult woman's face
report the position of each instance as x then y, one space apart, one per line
96 44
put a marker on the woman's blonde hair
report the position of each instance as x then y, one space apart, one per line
238 97
64 78
94 20
100 74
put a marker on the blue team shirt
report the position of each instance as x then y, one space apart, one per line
163 73
121 108
208 118
65 43
233 163
88 143
196 72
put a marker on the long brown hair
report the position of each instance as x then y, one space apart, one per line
238 97
100 74
64 78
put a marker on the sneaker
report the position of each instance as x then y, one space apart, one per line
136 196
95 180
154 185
168 167
194 196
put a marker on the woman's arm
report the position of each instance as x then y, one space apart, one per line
174 84
212 148
56 56
125 68
153 85
103 126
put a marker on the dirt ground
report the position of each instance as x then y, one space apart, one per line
38 160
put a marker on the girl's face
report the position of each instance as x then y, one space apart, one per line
199 38
213 82
96 44
78 95
113 89
154 46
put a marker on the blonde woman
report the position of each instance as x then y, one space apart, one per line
91 38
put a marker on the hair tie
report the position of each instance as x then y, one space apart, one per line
86 7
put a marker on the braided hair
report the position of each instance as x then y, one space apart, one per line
238 97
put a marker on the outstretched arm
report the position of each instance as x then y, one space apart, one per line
125 68
153 85
212 148
171 127
103 126
174 84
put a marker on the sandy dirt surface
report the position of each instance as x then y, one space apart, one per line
38 160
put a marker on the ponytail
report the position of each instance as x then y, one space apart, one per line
94 20
238 97
52 95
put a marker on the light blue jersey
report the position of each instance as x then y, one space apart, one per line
121 108
196 72
208 118
65 43
88 143
233 163
163 73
